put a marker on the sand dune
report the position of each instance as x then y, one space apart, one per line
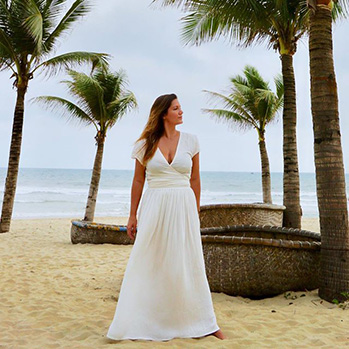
58 295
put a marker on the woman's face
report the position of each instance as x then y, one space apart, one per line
174 113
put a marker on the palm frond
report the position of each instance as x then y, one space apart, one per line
184 4
220 98
233 103
89 94
118 108
113 83
5 64
69 60
209 22
67 109
232 119
279 84
78 9
254 79
33 23
343 4
265 95
340 10
6 47
52 7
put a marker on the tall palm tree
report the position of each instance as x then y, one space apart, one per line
29 32
330 178
102 100
281 24
251 104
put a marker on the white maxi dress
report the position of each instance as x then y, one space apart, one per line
165 293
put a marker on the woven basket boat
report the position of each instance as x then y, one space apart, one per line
241 260
261 261
96 233
238 214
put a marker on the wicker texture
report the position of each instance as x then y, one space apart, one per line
240 260
231 214
261 261
95 233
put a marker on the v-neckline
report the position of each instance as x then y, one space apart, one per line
170 163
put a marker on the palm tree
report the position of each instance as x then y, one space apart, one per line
281 24
29 32
101 101
251 104
330 178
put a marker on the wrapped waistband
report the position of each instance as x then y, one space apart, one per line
168 184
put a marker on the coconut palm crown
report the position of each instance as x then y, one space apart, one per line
29 33
280 23
101 100
251 104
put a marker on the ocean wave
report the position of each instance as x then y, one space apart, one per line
67 191
71 214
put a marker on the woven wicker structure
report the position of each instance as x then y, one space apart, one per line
260 261
95 233
241 260
239 214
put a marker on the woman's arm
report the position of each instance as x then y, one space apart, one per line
136 193
195 182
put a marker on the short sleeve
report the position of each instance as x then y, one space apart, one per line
195 145
138 151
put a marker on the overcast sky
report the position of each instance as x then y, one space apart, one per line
145 41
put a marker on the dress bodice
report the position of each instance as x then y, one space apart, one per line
160 173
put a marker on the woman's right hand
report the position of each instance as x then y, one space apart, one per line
132 227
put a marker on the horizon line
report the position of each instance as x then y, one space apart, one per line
125 169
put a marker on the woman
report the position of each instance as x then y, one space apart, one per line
165 293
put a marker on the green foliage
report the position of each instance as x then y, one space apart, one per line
101 98
343 304
250 103
29 32
278 23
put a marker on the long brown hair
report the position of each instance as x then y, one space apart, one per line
154 128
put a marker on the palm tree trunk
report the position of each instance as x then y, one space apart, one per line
293 212
330 179
96 175
13 164
266 183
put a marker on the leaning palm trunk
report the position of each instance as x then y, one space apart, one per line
292 214
330 179
96 175
266 184
13 165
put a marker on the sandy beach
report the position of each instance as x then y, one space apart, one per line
58 295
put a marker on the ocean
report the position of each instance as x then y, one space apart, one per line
47 193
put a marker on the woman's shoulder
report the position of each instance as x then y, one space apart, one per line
140 142
138 150
139 145
192 143
189 136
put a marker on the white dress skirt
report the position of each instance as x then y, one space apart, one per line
165 293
